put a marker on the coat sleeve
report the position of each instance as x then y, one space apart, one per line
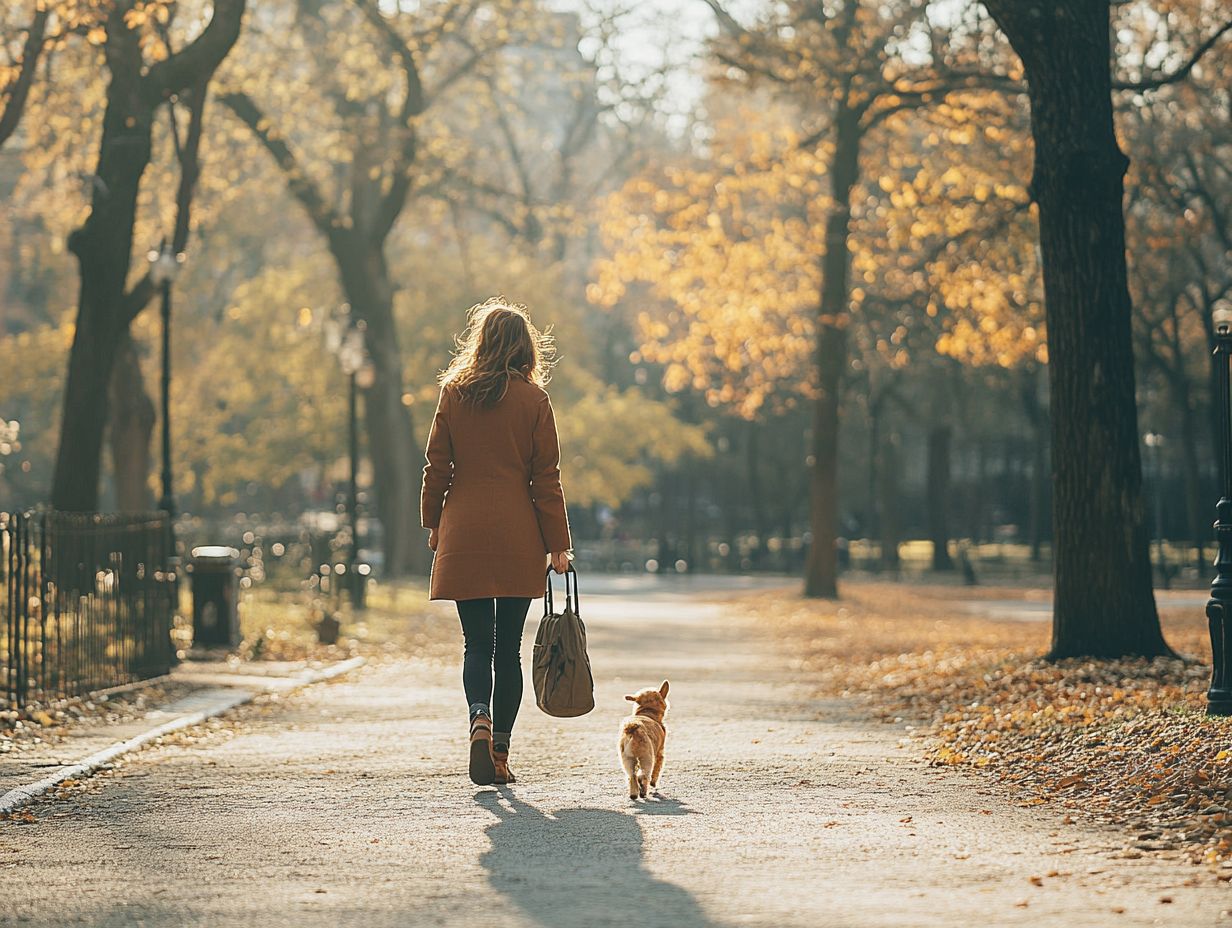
545 487
438 474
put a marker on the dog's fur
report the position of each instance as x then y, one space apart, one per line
642 736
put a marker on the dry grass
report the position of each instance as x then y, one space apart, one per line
1126 741
282 625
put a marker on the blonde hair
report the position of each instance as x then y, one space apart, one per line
499 341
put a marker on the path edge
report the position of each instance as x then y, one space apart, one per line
20 795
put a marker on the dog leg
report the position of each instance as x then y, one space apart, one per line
658 768
630 764
645 760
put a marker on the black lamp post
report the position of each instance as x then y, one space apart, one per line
164 266
1219 608
346 339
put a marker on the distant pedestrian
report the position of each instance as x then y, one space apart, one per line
495 512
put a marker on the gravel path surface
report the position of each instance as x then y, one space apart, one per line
348 804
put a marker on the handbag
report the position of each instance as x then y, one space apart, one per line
564 686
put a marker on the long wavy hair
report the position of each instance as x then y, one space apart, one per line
499 342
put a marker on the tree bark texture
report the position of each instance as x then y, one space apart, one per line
130 430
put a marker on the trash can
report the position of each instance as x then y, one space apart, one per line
216 619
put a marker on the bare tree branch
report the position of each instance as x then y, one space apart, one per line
175 74
187 153
299 183
935 91
17 93
1180 73
415 100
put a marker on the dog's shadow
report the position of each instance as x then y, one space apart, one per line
576 866
658 804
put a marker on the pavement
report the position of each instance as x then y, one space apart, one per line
347 803
200 688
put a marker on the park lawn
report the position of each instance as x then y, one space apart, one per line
1124 741
280 624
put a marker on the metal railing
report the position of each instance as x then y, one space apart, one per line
87 602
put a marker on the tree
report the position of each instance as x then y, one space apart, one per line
1179 224
560 130
30 29
846 65
1103 601
614 440
132 34
382 152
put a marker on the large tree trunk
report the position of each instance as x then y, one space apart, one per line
939 495
1103 602
103 247
821 570
397 460
130 430
103 244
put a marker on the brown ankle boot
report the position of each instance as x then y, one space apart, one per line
500 761
482 768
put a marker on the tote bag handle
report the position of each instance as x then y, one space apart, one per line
548 605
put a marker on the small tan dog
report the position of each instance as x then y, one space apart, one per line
642 736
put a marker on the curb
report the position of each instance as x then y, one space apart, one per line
20 795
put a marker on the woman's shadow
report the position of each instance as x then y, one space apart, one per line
579 867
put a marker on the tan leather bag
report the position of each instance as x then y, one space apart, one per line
564 686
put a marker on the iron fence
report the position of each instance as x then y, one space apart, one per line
86 602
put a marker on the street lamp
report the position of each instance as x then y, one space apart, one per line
1154 443
165 265
1219 608
345 338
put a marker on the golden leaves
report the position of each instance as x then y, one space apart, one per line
1114 739
730 251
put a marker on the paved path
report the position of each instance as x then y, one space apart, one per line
346 804
201 685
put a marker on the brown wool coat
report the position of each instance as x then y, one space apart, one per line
492 489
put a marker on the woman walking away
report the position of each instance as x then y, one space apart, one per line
494 510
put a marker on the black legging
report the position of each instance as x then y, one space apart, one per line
492 629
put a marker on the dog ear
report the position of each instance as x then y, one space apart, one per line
631 698
663 689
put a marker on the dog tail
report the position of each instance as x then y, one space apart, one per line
632 729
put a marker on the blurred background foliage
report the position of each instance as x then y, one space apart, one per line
664 212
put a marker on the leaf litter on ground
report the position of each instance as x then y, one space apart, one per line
1124 741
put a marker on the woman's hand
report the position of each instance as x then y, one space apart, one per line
432 538
560 561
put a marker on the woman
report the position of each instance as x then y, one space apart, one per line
494 510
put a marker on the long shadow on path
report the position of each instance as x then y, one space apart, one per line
580 866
